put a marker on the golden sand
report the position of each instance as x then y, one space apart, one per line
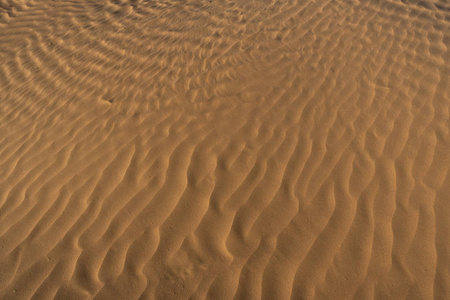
224 149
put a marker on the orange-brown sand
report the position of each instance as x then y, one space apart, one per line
224 149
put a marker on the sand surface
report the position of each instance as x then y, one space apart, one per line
225 149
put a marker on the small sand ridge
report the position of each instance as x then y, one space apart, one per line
224 149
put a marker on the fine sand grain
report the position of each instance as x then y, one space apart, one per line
224 149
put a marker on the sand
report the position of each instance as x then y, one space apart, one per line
220 149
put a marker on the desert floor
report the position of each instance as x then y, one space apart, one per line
225 149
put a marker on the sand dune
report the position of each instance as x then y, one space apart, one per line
221 149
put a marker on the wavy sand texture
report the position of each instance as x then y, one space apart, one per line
224 149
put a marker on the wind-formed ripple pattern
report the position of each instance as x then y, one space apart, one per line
224 149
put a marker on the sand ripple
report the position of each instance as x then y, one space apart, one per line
224 149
